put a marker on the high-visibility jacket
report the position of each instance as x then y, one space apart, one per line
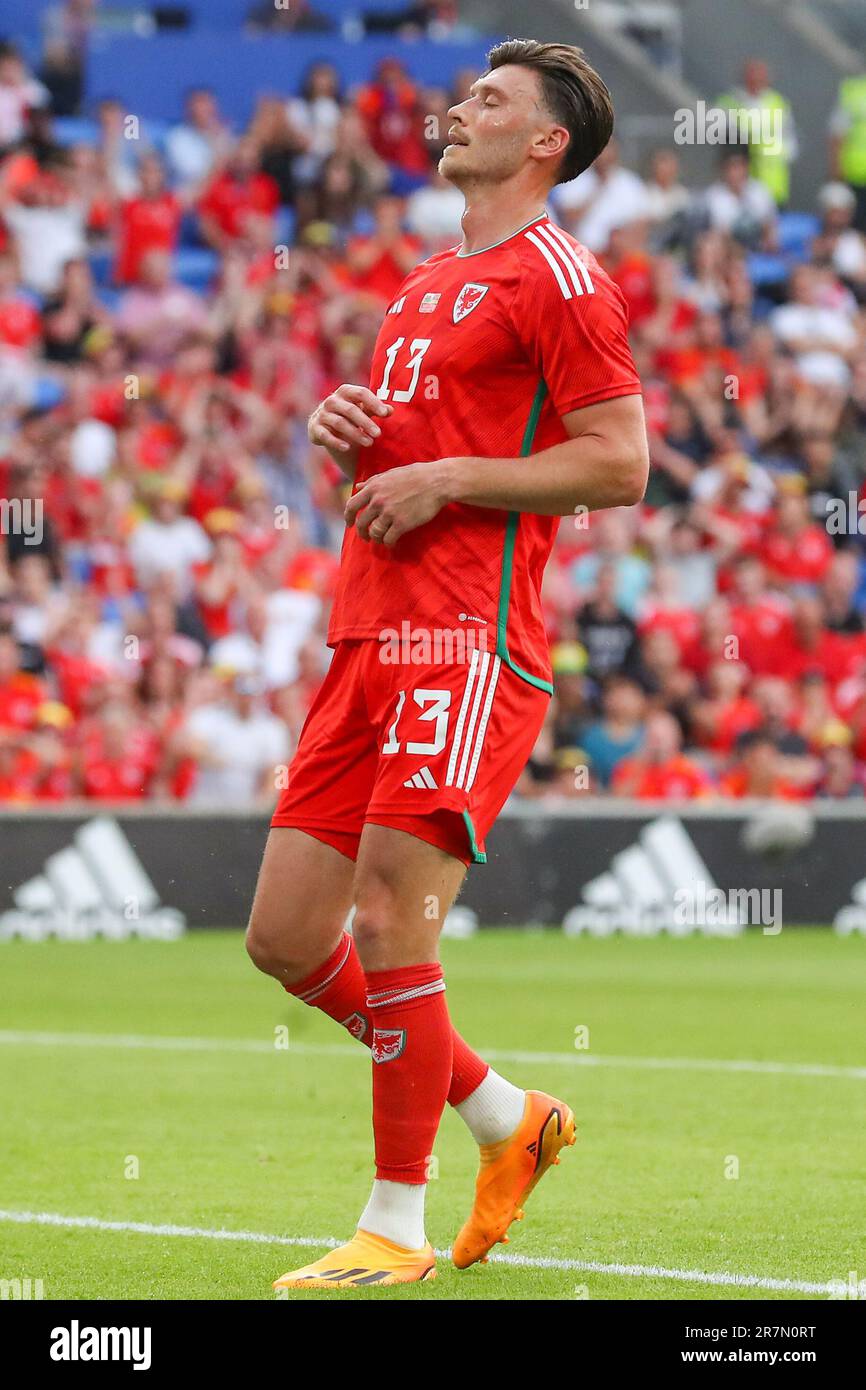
852 152
766 124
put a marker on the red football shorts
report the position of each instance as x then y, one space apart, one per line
433 750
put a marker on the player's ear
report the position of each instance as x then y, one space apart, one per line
550 143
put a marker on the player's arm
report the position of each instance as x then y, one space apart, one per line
603 463
344 422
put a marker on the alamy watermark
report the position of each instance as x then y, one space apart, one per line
735 125
424 646
22 516
846 516
22 1289
705 905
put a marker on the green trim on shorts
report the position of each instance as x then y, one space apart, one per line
478 857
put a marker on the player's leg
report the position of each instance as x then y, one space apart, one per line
304 893
403 889
460 740
302 900
296 933
296 928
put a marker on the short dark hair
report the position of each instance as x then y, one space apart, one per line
574 95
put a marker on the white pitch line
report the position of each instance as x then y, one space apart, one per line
683 1276
154 1043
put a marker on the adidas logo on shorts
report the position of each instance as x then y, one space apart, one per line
423 779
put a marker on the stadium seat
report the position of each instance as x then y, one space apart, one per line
767 269
47 393
284 226
363 223
196 266
159 71
75 130
109 297
190 231
231 15
101 263
796 230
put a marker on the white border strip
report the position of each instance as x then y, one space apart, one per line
684 1276
147 1043
554 265
461 718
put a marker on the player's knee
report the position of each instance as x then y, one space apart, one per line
271 951
373 925
261 947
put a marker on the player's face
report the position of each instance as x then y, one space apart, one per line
492 130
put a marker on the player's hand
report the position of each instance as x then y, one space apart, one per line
389 504
345 419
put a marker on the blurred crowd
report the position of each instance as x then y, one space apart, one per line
171 310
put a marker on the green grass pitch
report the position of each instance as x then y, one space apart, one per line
230 1132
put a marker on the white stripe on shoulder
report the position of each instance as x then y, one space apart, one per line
552 262
563 239
562 254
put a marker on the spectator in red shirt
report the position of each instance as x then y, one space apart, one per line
665 605
669 315
726 712
732 499
840 774
816 649
119 762
391 110
237 193
54 778
795 550
758 771
661 770
223 579
697 349
716 640
19 769
782 719
20 326
148 222
760 619
631 267
21 693
380 262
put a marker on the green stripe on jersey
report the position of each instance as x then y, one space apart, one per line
508 556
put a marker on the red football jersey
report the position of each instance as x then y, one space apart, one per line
145 225
481 354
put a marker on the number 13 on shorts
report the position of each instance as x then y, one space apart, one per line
434 706
458 718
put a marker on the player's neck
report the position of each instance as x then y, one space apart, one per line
491 216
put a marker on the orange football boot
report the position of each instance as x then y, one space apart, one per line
509 1171
364 1261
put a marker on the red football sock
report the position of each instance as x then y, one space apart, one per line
412 1054
468 1070
339 989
